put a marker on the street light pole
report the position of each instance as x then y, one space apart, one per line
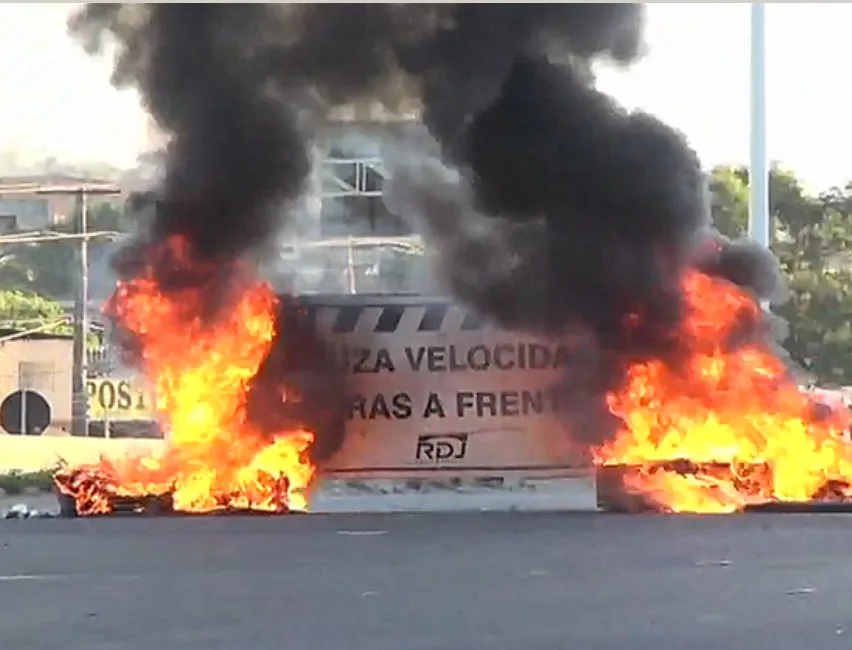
759 227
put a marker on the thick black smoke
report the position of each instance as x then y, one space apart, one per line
548 206
236 86
236 155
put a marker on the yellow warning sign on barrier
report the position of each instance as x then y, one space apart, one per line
118 399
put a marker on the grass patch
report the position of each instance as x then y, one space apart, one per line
14 483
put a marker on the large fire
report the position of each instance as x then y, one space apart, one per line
200 372
730 408
727 407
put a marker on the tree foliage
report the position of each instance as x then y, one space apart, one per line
20 310
34 277
812 237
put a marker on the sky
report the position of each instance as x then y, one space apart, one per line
58 101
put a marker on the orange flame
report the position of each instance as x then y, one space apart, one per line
734 406
200 372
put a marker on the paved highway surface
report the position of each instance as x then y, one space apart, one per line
458 581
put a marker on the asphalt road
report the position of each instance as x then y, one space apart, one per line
462 581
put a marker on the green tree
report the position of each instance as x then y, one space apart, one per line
20 310
813 240
729 200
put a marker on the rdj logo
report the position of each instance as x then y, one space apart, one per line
440 447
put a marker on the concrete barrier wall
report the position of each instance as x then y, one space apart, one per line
33 454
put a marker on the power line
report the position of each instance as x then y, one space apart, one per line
83 191
42 236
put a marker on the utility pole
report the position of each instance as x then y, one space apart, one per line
759 227
79 364
79 361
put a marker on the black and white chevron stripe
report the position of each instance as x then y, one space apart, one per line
390 318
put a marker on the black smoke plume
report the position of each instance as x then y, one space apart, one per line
548 206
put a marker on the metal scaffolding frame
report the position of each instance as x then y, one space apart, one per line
348 177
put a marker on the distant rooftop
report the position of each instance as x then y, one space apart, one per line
35 182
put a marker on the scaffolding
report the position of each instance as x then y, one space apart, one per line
352 177
354 264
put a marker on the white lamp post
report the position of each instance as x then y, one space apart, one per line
758 215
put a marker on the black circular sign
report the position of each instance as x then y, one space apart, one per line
25 412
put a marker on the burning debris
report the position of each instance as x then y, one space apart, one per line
217 457
548 207
684 486
92 492
743 431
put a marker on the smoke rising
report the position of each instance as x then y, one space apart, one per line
236 153
548 206
236 88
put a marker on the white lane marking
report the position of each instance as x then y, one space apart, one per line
362 533
34 577
25 576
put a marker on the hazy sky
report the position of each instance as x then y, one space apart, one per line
59 101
